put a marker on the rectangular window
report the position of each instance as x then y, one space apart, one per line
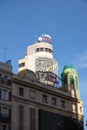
32 119
37 50
53 101
80 109
4 94
32 94
41 49
21 117
21 91
21 64
62 104
4 112
71 80
5 79
44 98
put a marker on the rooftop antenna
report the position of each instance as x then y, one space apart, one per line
5 49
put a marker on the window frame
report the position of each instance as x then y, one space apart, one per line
4 94
54 101
21 91
44 98
63 104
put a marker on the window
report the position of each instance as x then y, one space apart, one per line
5 111
41 49
62 104
5 79
64 79
50 50
80 109
53 101
44 98
47 50
32 94
21 91
4 94
37 50
21 64
32 119
71 80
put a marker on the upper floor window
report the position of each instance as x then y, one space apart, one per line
21 64
43 49
32 94
21 91
4 111
47 50
5 79
80 109
71 80
4 94
53 101
44 98
37 50
62 104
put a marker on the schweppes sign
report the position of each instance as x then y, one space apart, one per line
45 38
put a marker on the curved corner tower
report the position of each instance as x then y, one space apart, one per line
39 58
70 78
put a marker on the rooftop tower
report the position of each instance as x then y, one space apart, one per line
70 78
39 58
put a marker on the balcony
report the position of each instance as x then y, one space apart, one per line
5 118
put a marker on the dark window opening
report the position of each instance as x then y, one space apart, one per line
53 101
71 80
22 65
21 91
44 98
62 104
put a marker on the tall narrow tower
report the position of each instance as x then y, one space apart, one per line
39 59
70 78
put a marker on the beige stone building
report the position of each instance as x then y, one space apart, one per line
30 99
34 99
5 96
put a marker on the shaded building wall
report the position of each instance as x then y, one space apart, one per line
53 121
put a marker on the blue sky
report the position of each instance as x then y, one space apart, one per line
23 21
